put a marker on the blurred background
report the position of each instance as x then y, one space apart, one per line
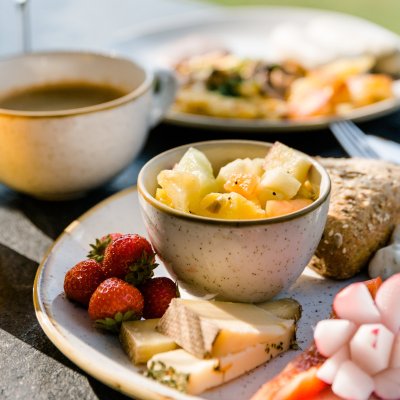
98 23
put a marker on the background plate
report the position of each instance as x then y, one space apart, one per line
247 31
100 354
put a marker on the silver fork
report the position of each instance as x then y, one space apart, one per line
353 139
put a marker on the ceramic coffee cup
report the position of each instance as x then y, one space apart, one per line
62 153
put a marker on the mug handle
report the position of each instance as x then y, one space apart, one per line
164 94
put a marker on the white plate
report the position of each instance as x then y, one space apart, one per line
99 354
258 32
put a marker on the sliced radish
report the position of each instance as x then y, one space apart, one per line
371 347
331 334
351 382
327 371
387 384
356 304
388 302
395 360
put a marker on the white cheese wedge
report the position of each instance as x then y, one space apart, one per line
141 341
283 308
187 373
214 329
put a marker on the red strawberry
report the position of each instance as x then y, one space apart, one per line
157 294
129 257
113 302
82 280
98 248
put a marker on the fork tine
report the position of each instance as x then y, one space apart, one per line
359 138
346 143
353 139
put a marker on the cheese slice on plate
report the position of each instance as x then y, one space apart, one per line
210 329
141 341
187 373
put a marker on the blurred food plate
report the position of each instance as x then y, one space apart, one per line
267 36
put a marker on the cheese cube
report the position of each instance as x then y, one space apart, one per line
141 341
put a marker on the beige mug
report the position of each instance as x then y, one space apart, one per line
62 154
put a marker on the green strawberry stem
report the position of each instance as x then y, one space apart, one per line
114 324
141 270
98 248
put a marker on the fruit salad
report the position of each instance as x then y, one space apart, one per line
246 188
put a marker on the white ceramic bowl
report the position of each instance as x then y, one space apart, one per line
60 154
237 260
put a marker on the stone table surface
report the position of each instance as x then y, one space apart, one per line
31 367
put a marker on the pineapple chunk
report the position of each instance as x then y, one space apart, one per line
181 188
244 184
307 191
240 166
161 195
275 208
229 206
196 163
141 341
277 184
289 160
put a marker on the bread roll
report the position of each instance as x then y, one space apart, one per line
364 207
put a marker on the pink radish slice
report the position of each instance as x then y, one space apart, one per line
356 304
331 334
351 382
387 384
371 347
327 371
388 302
395 360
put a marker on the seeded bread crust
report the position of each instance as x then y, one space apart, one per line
364 207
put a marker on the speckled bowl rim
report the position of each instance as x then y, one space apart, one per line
132 95
231 222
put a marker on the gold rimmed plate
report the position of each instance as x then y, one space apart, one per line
100 354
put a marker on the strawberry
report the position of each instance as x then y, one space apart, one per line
98 248
157 294
129 257
82 280
113 302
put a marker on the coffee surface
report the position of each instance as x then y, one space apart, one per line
60 96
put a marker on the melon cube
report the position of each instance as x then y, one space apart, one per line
327 371
332 334
196 163
371 347
240 166
387 384
244 184
277 184
351 382
275 208
290 160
